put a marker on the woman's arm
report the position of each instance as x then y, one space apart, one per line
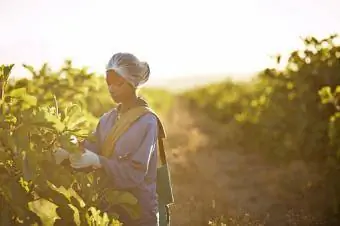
130 171
94 146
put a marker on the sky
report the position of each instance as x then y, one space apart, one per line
177 38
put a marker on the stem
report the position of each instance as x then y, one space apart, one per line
2 96
56 105
2 89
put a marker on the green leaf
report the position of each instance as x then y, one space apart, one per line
27 170
325 94
30 69
120 197
50 194
81 133
134 211
18 92
21 136
17 195
65 141
10 119
63 222
75 203
126 198
41 141
83 218
46 119
30 100
22 94
32 218
73 123
5 71
337 89
56 174
73 116
31 160
65 212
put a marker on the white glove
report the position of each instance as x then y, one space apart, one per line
60 155
86 159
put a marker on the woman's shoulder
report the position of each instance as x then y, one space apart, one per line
153 120
109 115
149 117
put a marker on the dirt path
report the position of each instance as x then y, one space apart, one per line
241 187
211 183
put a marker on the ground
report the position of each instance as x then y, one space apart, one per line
228 186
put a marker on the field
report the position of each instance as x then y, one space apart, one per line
259 152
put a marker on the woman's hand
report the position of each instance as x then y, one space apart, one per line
86 159
60 155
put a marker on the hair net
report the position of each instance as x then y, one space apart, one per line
129 67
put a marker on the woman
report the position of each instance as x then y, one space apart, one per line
129 159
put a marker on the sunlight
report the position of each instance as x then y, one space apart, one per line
178 39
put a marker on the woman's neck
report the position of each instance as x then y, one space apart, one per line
129 103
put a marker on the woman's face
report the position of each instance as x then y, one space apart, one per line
119 88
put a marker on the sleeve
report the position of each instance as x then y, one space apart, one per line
129 172
94 144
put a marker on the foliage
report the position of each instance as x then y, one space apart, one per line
287 114
36 117
282 107
160 100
